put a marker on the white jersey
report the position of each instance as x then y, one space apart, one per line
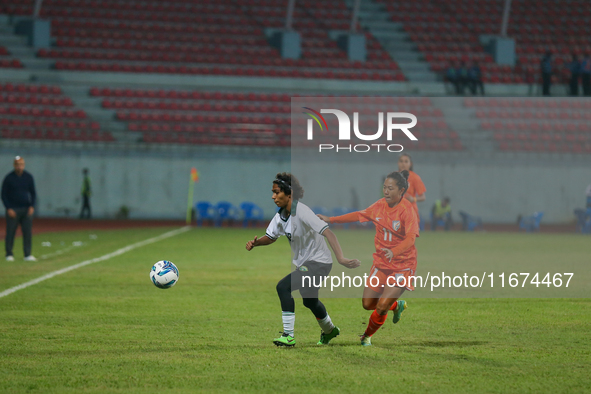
304 230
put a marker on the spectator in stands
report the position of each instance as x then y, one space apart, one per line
86 193
18 196
463 78
475 77
546 68
588 193
451 78
529 76
586 75
575 73
441 211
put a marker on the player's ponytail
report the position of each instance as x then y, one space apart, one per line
405 174
401 179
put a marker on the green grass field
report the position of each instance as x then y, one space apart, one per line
106 328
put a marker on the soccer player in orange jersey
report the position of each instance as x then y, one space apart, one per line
416 187
395 258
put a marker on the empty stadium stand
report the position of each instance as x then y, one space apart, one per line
30 111
240 118
6 61
230 37
223 37
448 33
536 125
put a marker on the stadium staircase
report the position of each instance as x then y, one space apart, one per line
395 40
8 43
462 121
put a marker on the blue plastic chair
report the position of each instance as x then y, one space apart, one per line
469 222
583 220
531 223
421 223
205 211
438 222
251 211
225 211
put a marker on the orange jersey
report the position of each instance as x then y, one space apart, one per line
416 187
392 227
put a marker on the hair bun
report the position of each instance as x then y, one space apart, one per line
405 174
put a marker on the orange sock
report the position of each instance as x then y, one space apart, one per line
375 322
394 306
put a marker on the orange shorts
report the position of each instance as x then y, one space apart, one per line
380 279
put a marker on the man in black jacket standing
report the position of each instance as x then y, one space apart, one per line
18 196
546 68
86 193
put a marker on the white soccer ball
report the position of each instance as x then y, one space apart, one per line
164 274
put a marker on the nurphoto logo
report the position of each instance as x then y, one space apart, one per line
344 130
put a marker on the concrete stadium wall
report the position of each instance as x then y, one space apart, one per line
151 186
155 185
497 191
210 82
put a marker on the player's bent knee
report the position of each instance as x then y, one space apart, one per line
283 288
369 304
383 307
310 303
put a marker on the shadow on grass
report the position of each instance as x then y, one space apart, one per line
397 345
458 344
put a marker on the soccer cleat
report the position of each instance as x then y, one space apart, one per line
9 258
30 258
398 311
285 340
365 340
325 338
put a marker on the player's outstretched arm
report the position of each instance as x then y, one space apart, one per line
336 248
347 218
264 240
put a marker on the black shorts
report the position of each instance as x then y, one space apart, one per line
309 277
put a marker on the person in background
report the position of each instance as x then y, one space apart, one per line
575 73
416 188
86 193
588 194
441 211
463 79
475 77
546 68
586 75
451 78
529 76
18 197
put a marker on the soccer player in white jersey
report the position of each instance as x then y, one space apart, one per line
310 255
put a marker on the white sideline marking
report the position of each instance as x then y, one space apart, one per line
95 260
58 252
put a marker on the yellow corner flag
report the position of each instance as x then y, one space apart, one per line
194 179
194 175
